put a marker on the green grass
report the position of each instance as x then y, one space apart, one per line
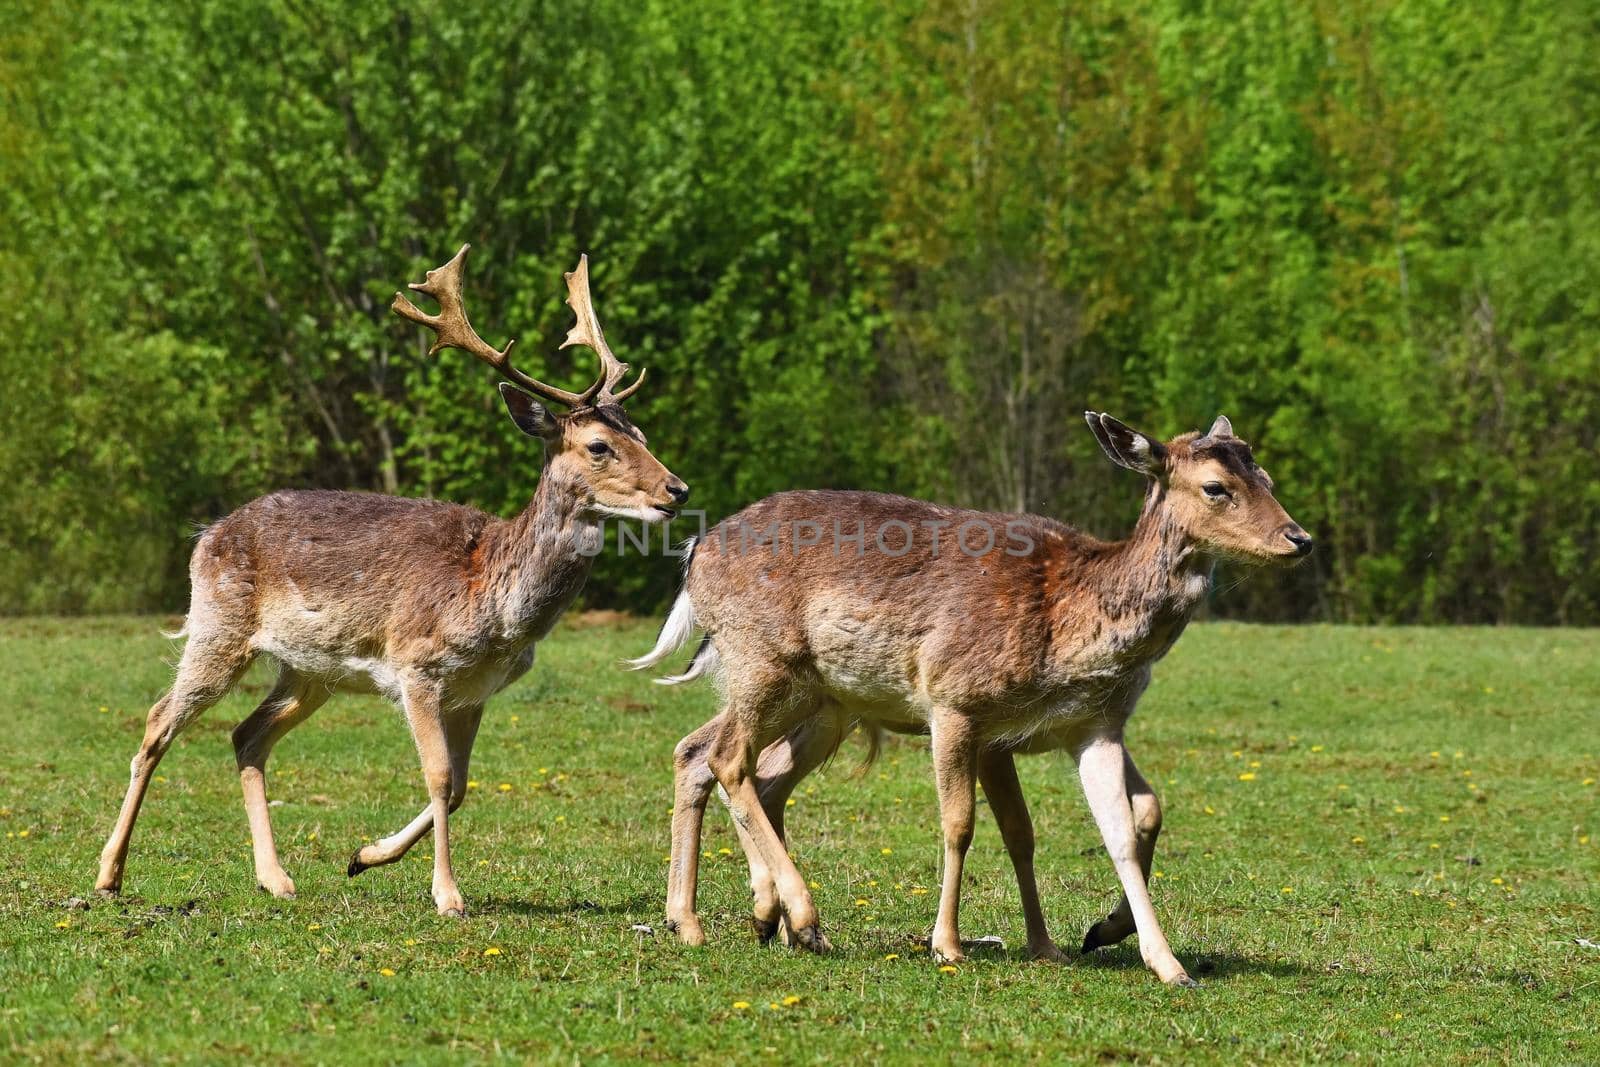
1405 935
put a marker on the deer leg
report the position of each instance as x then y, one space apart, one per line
691 787
206 672
461 730
1146 828
291 701
1102 767
733 759
425 714
782 766
997 771
954 771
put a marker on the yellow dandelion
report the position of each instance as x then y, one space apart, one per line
324 950
1488 689
313 926
24 833
504 787
1449 903
789 803
891 957
814 885
1247 776
1399 1015
411 941
1358 840
312 836
1584 840
483 863
1444 818
1588 781
947 969
1287 889
104 708
724 851
544 770
561 818
873 882
1341 787
1497 881
741 1005
516 718
1158 874
1433 755
1209 810
1255 763
472 783
63 924
886 852
862 902
1316 748
1433 844
790 1001
492 950
387 972
918 891
1399 809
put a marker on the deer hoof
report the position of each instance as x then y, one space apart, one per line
356 866
454 913
1183 981
1101 935
811 939
766 929
1047 953
109 892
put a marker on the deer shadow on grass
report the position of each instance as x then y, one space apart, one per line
634 905
1204 966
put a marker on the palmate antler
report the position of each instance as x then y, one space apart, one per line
587 332
454 331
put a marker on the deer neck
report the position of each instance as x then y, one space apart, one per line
537 564
1147 587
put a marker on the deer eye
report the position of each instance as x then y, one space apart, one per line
598 448
1215 490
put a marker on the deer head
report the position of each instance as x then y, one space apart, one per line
593 445
1211 487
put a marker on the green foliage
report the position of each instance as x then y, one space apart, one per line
892 246
1387 949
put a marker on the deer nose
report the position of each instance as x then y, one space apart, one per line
1299 539
678 491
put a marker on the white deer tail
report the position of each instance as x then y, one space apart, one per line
675 633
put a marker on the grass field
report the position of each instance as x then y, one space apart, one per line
1379 842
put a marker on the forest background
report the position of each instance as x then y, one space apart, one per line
898 246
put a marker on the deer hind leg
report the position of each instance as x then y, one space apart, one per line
1146 810
782 766
692 783
290 703
461 730
955 758
1102 767
752 712
997 771
208 669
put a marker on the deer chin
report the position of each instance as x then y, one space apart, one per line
648 513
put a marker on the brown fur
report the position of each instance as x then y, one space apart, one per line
993 653
434 605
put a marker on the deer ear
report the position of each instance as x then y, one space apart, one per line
1221 428
1126 446
531 417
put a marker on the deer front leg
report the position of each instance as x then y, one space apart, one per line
997 771
1146 828
425 715
955 760
461 730
1102 764
291 701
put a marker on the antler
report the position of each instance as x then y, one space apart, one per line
587 332
454 331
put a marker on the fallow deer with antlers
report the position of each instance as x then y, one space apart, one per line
1018 634
433 605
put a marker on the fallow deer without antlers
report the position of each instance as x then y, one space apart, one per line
1012 633
434 605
